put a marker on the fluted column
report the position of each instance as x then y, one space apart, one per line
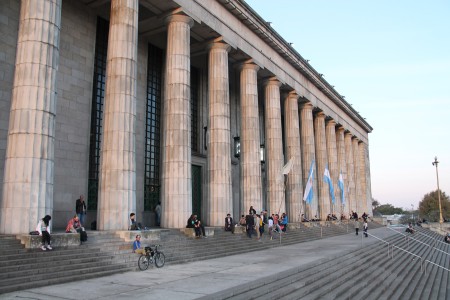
294 186
219 146
368 182
330 131
308 155
274 147
322 161
176 167
29 164
342 168
118 168
357 178
250 140
350 171
362 176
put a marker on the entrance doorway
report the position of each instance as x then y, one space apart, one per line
197 191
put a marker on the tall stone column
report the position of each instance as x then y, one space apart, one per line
330 131
322 162
274 147
117 197
342 168
368 181
350 171
362 176
308 155
250 138
294 186
29 164
176 170
219 146
357 178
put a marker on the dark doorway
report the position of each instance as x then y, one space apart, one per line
197 191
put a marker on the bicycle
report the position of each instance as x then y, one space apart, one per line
150 256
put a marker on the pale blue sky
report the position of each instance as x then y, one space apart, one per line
391 59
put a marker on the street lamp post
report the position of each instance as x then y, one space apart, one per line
435 163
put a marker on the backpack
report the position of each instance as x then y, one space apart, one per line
83 236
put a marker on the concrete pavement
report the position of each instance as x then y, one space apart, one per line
202 278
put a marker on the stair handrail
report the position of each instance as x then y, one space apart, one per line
409 252
435 239
380 239
427 261
406 237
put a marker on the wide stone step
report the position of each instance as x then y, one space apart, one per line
50 281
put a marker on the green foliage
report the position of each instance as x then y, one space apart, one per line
429 206
375 203
388 209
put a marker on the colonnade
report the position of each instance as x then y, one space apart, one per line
309 137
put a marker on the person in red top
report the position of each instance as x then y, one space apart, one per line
74 225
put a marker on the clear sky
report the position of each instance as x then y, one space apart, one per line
391 60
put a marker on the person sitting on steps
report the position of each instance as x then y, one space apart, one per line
199 228
137 248
229 225
133 224
74 225
43 227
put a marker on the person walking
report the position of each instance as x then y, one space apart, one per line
357 225
365 227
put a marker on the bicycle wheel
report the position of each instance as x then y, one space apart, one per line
160 259
143 262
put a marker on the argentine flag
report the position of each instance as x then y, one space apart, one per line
309 191
327 179
341 187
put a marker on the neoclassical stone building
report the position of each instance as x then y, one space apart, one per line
197 104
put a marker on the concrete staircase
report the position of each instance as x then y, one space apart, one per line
22 268
106 253
368 273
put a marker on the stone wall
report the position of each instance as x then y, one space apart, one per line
73 107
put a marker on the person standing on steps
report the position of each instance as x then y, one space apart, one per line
43 227
365 227
80 208
357 225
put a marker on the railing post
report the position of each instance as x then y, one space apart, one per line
320 231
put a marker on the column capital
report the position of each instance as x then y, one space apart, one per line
340 128
348 133
271 81
331 122
293 94
248 64
320 115
218 45
355 138
307 105
179 18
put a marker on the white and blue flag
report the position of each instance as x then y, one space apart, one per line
341 187
309 191
327 179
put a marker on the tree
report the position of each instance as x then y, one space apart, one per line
375 204
388 209
429 206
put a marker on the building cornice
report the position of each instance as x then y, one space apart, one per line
257 24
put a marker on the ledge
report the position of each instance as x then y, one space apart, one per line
57 240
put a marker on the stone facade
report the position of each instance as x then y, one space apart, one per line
234 99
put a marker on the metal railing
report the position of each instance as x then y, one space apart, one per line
406 237
380 239
430 262
410 253
435 239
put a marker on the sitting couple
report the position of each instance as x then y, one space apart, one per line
194 222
